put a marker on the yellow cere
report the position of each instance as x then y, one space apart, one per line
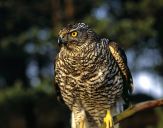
74 34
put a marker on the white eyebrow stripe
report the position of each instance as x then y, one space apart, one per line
72 30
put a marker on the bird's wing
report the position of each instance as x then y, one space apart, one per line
121 59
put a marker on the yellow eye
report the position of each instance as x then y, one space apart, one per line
74 34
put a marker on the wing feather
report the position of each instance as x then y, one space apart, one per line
121 59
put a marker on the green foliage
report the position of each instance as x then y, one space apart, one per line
17 91
9 93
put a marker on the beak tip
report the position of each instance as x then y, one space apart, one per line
59 40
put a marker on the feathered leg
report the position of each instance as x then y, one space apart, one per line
78 120
82 124
73 124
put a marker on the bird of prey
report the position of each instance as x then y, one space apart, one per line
91 76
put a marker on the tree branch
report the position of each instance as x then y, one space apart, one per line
136 108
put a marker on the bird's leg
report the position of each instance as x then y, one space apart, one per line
82 124
108 120
82 119
73 123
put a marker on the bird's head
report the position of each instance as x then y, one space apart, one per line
76 35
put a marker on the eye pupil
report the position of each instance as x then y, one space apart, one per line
74 34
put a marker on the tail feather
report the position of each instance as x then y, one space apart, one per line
118 107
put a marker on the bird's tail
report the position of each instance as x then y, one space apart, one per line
117 108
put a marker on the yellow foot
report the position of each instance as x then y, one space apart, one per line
82 124
108 120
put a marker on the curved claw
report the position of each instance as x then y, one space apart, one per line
108 120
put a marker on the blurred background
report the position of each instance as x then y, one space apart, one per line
28 46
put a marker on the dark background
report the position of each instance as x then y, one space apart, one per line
28 46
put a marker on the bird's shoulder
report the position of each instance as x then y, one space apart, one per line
120 57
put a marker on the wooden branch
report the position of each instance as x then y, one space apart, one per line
136 108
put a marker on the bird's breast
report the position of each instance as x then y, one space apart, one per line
85 71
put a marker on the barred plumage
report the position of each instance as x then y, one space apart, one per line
91 73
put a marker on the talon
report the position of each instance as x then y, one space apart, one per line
108 120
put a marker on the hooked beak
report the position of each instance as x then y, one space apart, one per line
60 41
